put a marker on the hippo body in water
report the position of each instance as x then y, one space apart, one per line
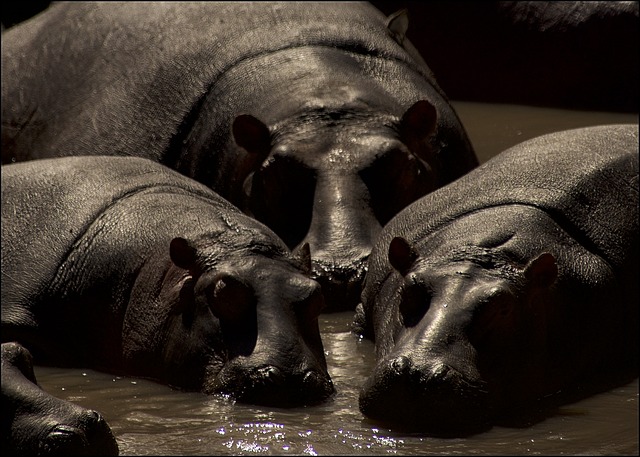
512 289
36 423
319 119
123 265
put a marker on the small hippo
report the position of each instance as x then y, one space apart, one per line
514 289
36 423
123 265
319 119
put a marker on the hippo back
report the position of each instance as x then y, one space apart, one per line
145 72
78 182
579 177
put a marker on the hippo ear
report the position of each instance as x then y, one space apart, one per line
418 122
252 134
542 271
398 23
183 255
401 255
303 254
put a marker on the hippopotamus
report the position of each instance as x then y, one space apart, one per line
36 423
123 265
569 54
510 291
318 119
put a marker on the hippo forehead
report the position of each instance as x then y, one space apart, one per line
326 139
270 277
469 261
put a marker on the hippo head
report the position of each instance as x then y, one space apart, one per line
242 323
36 423
458 340
332 177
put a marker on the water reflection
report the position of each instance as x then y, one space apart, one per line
151 419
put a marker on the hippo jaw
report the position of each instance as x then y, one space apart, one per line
435 398
341 283
269 385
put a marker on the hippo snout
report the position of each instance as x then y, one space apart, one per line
269 385
434 398
341 282
90 436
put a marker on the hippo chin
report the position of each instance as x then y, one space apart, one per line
509 292
319 119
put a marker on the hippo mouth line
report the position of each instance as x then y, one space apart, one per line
341 285
269 385
440 401
339 272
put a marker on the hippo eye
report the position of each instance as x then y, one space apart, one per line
395 179
281 196
229 298
493 317
309 309
415 299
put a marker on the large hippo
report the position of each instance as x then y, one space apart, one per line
513 289
123 265
319 119
36 423
570 54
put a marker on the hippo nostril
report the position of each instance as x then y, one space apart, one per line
311 378
94 417
440 372
270 375
401 365
64 437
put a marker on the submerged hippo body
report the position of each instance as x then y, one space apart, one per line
123 265
318 119
36 423
515 283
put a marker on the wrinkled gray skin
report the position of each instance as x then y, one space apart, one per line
311 116
511 290
123 265
36 423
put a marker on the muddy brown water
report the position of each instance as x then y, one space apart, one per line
152 419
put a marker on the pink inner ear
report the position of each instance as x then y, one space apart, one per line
401 255
543 270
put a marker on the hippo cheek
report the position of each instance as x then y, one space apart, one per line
434 398
269 385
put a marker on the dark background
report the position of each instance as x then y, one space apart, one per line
532 53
